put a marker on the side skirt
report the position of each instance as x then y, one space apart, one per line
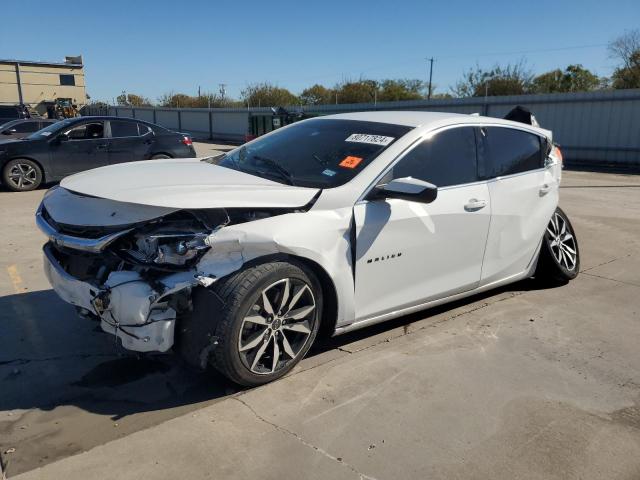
434 303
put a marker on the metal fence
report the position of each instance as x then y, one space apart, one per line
593 128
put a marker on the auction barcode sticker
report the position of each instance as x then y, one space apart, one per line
372 139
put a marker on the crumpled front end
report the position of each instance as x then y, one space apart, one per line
133 267
142 316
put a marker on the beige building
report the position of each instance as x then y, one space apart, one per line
42 84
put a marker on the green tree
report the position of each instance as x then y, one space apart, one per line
133 100
317 95
626 48
508 80
575 78
267 95
361 91
175 100
402 89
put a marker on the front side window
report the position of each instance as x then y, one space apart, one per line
447 158
318 153
143 129
508 151
124 129
87 131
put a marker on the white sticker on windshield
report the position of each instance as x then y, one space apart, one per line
372 139
46 134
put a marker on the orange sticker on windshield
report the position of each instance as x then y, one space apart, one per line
350 162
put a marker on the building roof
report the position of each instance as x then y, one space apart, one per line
12 61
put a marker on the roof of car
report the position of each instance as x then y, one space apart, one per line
421 119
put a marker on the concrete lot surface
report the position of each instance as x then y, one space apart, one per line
523 382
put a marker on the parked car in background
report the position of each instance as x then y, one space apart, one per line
13 112
341 221
23 127
77 144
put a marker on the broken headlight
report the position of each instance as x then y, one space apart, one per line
171 249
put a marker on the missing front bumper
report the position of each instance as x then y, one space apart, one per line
127 306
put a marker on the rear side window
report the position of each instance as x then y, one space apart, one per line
448 158
508 151
124 129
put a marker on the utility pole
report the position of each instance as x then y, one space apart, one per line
430 60
223 90
198 91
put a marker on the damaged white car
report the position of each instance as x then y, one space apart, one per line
336 223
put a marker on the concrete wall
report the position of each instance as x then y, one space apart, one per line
593 128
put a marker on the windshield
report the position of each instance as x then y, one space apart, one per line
319 153
50 130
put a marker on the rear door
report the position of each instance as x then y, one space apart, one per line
81 147
409 253
524 195
129 141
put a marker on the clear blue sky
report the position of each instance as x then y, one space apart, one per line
153 47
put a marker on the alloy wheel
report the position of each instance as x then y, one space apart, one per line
277 327
562 242
23 175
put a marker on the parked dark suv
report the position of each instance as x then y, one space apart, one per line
12 112
82 143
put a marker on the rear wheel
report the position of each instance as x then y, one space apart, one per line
21 175
559 259
268 318
159 156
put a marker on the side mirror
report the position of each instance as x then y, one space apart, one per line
407 188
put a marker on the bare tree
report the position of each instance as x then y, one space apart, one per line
625 46
627 49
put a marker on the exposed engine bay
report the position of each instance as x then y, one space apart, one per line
133 274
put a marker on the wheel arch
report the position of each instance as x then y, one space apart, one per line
160 153
329 291
37 162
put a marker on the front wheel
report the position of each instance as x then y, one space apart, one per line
21 175
270 317
559 259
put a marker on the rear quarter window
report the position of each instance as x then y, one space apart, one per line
508 151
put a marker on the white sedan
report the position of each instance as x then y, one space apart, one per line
332 223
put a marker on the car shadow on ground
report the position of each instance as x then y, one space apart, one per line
49 357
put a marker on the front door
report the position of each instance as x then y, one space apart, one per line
81 148
408 253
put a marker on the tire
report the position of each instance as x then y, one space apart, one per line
559 260
159 156
21 175
232 327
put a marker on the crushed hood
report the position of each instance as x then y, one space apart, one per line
186 183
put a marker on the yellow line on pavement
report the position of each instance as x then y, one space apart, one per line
15 277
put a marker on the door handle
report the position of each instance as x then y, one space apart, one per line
544 189
475 204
